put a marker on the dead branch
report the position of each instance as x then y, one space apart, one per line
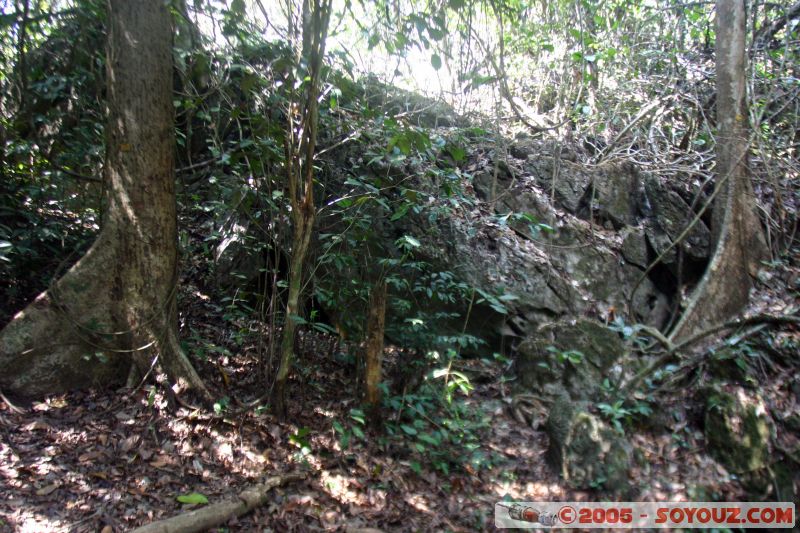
219 513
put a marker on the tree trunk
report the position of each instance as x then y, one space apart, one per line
373 351
116 305
723 291
303 226
300 148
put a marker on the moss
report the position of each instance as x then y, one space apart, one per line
543 370
584 450
724 366
737 431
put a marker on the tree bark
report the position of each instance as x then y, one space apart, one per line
300 148
739 241
373 351
116 306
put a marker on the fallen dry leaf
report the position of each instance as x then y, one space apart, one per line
49 489
38 425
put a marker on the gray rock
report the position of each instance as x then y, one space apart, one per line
616 195
569 356
496 241
634 246
571 186
670 216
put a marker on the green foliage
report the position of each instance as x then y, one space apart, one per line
193 498
616 413
443 435
354 428
527 220
300 440
101 357
221 405
51 137
621 411
573 357
496 302
440 427
436 423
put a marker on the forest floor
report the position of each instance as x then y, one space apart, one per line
110 461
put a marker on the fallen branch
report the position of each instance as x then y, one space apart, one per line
219 513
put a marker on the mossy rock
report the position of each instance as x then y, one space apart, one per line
737 430
726 364
584 450
543 366
792 422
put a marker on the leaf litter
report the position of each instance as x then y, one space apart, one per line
112 460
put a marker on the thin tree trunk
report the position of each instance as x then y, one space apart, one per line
301 239
373 351
724 289
116 306
300 148
22 67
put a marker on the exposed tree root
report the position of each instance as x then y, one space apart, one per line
219 513
10 405
737 235
116 306
673 349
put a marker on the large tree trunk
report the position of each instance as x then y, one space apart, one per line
723 291
116 306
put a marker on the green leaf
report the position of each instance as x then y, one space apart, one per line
297 319
429 439
237 6
457 153
194 497
408 429
401 212
436 61
407 241
374 39
358 415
